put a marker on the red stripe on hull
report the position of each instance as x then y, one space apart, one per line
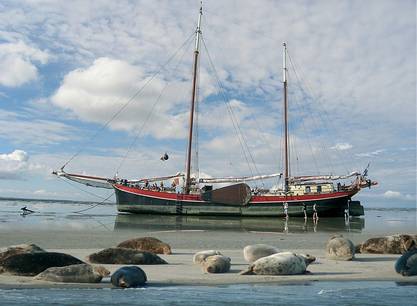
254 200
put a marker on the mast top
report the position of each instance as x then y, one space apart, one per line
284 62
198 30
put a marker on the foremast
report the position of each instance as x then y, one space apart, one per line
286 153
193 101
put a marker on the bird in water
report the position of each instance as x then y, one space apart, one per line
26 210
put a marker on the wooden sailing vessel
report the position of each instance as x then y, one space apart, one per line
198 196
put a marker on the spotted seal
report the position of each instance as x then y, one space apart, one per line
125 256
82 273
127 277
30 264
216 264
149 244
340 248
253 252
394 244
284 263
199 257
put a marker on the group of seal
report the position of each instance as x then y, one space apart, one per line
212 261
31 260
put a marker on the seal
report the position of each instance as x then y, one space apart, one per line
253 252
30 264
127 277
82 273
284 263
216 264
394 244
340 248
19 249
199 257
122 256
148 244
406 265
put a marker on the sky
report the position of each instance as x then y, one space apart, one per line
106 85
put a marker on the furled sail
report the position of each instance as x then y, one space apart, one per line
93 181
238 179
157 179
299 179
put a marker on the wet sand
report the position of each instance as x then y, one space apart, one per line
184 243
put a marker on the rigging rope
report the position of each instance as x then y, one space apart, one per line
327 118
76 187
236 126
317 125
140 133
128 101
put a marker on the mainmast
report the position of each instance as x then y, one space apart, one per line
284 80
193 98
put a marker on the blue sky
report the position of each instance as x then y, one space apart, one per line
68 66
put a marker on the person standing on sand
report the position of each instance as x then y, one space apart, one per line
305 211
286 210
315 215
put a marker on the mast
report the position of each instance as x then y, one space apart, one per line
193 98
284 80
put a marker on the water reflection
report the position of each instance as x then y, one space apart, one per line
290 225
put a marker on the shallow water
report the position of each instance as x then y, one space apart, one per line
81 216
312 293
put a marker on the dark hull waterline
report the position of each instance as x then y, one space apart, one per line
139 201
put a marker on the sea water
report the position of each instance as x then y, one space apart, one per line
312 293
71 215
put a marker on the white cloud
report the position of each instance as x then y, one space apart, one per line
398 195
342 146
97 92
17 60
15 164
370 154
16 155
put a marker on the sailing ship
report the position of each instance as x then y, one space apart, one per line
190 195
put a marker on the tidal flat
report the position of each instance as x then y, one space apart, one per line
60 226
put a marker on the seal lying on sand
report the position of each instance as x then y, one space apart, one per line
253 252
285 263
127 277
216 264
149 244
19 249
199 257
395 244
125 256
34 263
82 273
340 248
406 265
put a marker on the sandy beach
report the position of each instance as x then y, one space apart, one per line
184 243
